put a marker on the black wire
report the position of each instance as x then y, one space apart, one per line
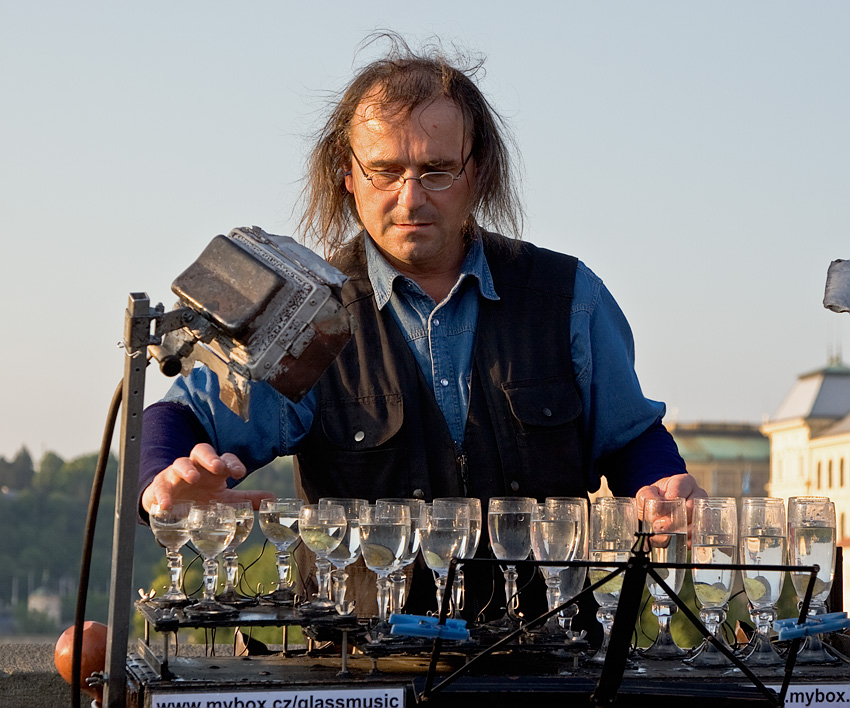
88 543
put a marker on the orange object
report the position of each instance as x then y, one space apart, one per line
93 655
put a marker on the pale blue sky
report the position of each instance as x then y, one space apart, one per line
694 155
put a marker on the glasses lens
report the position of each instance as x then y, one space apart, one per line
386 181
437 181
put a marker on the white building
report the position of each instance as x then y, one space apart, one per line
810 446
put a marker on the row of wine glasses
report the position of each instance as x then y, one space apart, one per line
718 538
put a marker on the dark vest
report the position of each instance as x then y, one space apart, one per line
378 431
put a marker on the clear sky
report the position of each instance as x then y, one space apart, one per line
694 154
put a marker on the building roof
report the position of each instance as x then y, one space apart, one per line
719 441
824 393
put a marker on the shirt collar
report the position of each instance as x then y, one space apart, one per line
382 275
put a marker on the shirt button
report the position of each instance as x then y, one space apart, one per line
444 382
547 412
418 494
514 486
436 322
359 436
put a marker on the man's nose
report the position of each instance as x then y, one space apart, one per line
412 194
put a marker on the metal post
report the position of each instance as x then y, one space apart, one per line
136 340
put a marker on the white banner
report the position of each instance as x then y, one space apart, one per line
305 698
816 695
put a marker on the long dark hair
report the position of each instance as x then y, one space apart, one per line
403 80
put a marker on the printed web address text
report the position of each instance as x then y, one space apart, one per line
363 698
816 695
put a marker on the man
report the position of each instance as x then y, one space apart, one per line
482 366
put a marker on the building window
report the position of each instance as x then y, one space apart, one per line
818 477
829 475
841 472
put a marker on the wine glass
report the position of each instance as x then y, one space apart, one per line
668 521
384 534
458 589
571 579
555 534
444 532
509 524
762 542
346 553
244 511
279 524
398 580
211 528
613 525
321 527
811 541
714 541
171 530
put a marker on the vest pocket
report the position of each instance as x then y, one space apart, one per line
546 416
364 452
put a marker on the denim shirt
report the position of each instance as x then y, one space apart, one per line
441 336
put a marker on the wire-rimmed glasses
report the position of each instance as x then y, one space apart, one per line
555 535
244 511
667 520
171 530
762 542
211 529
346 553
613 525
279 524
811 541
714 541
437 181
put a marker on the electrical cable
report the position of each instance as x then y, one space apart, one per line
88 543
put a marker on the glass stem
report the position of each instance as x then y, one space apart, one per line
284 570
663 611
231 567
553 596
210 578
323 578
511 597
398 587
458 593
440 582
339 578
175 569
383 586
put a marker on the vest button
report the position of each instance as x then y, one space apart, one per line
359 436
418 494
547 412
514 486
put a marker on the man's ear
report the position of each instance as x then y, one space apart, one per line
349 180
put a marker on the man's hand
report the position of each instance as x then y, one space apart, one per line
201 478
679 485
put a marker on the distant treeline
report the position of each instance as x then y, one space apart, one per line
42 520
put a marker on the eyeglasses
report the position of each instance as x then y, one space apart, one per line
392 182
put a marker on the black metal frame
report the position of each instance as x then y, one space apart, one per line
636 570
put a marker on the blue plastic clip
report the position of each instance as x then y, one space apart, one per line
422 626
832 622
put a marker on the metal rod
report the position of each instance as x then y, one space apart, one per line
136 339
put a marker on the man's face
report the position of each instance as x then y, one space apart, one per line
419 231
